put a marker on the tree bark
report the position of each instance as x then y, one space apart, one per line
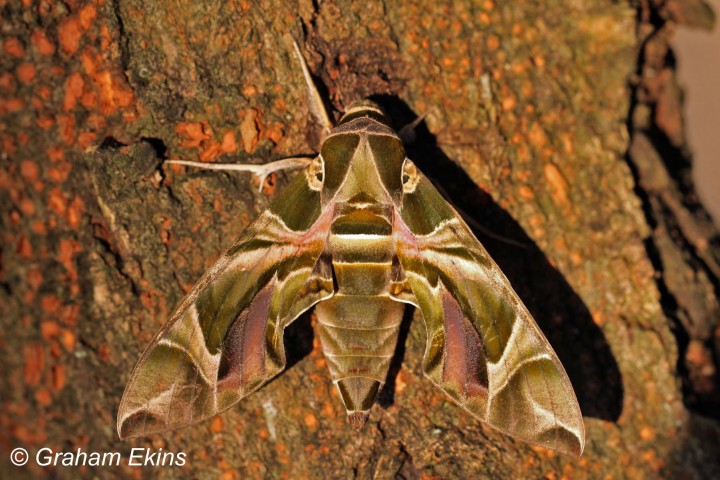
554 124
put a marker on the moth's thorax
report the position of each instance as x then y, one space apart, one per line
363 157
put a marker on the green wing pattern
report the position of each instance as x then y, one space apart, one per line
483 347
226 338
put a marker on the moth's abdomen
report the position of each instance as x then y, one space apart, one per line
358 335
359 326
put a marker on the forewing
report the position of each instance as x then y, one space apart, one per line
483 347
226 338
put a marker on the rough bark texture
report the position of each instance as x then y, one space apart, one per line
553 123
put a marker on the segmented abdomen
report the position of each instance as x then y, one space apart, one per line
358 327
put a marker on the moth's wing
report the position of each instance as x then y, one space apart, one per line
483 347
226 338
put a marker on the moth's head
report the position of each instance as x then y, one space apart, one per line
367 109
363 158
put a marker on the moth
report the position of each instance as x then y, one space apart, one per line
359 233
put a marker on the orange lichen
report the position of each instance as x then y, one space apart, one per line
74 85
508 103
59 172
45 122
279 105
526 192
249 132
568 143
216 426
210 149
66 128
40 40
38 227
69 34
537 224
34 278
447 62
558 184
89 99
13 47
400 384
27 207
650 457
55 154
57 201
493 42
66 250
11 105
34 363
275 132
67 340
26 72
647 434
43 397
50 303
320 363
85 139
311 421
249 91
29 170
87 15
228 143
537 136
74 212
229 475
576 259
49 329
7 82
328 410
193 133
283 453
24 248
57 375
113 94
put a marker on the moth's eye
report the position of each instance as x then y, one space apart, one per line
410 176
316 173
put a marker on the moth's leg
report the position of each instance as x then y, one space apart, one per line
317 107
260 171
407 133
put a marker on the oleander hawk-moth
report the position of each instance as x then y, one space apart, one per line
360 232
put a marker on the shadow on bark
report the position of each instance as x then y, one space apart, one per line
559 311
299 338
